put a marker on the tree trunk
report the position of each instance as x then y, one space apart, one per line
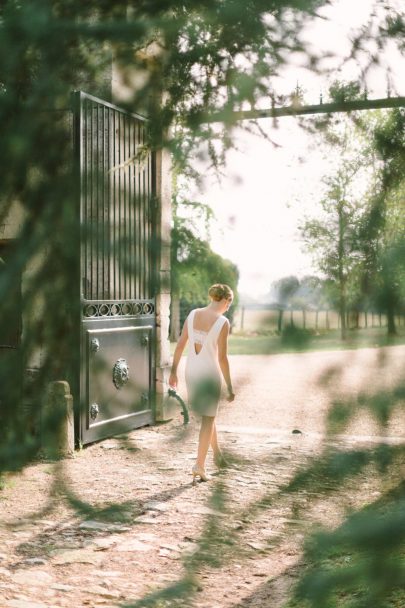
342 278
327 320
316 320
304 318
391 328
391 298
342 316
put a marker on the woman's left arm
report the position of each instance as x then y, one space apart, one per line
223 359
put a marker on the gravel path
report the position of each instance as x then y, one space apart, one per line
283 392
61 544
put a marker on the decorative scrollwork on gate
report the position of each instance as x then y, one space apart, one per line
95 345
120 373
97 310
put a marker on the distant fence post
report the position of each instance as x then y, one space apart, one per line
280 320
242 318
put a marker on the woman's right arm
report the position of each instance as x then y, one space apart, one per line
181 344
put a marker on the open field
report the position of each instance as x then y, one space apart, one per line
264 320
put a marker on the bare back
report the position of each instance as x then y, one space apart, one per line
204 318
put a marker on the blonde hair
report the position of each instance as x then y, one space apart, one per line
219 292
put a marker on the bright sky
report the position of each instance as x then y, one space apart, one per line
268 190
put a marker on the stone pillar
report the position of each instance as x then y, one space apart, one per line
163 228
57 426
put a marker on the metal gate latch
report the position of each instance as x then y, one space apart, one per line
94 411
120 373
145 340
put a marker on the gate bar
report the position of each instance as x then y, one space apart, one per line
109 105
115 203
321 108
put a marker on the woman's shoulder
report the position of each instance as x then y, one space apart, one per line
225 321
192 312
198 310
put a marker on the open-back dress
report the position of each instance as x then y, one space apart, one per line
203 374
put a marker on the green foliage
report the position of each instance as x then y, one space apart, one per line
295 337
358 244
285 288
381 236
389 144
309 293
196 268
345 91
188 59
362 560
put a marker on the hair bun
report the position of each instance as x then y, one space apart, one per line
219 292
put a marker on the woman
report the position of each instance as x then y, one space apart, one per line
207 331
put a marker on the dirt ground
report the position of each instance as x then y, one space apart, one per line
63 545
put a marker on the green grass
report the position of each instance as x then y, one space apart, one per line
268 345
240 344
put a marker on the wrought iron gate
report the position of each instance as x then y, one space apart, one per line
117 200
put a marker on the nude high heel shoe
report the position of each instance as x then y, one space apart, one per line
198 471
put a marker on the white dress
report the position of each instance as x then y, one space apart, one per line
203 374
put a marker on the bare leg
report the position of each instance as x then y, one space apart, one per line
207 425
214 442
